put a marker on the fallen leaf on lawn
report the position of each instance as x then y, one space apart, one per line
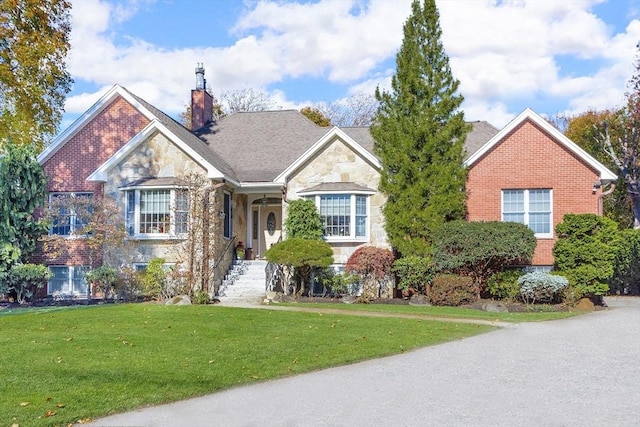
50 413
24 403
84 420
48 399
60 405
68 339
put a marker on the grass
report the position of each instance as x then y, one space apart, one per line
62 366
436 311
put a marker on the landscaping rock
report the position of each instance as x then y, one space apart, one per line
495 307
585 304
419 299
348 299
179 300
280 297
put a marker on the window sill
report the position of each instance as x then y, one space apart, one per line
157 236
330 239
543 236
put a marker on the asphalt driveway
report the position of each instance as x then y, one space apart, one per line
582 371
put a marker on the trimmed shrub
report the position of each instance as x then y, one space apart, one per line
200 297
541 287
452 289
480 249
302 257
9 255
626 266
22 279
414 272
585 251
504 285
373 265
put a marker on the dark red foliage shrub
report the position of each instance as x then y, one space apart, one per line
452 290
371 262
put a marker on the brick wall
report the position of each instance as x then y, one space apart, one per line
528 158
68 169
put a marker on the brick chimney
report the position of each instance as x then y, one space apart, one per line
201 101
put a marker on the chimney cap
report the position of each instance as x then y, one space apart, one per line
200 81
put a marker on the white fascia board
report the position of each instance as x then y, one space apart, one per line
529 114
259 187
334 132
154 126
322 192
87 116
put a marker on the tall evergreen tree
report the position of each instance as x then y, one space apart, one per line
419 137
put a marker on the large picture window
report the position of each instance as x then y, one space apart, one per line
344 216
530 207
157 211
71 212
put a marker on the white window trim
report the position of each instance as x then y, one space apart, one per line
136 213
352 205
228 216
72 214
70 274
526 209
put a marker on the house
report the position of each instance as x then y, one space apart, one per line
126 150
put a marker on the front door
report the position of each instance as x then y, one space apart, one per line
271 226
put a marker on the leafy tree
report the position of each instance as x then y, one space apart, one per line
373 265
585 129
103 279
22 191
154 280
481 249
34 41
301 258
585 251
316 116
419 135
303 220
99 223
620 138
9 255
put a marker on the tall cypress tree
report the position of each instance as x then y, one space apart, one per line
419 137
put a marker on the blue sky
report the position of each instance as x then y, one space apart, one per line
553 56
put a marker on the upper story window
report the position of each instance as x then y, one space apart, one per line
71 212
157 212
344 216
530 207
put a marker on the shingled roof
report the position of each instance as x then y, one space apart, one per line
260 145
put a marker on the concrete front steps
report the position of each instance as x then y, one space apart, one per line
244 284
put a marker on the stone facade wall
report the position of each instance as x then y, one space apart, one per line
528 158
158 158
339 163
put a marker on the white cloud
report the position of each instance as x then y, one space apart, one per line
504 53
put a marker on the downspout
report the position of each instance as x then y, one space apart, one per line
600 202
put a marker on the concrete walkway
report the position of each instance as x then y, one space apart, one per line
582 371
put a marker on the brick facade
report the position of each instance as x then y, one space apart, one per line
530 158
68 168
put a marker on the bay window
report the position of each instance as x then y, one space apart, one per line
344 216
153 212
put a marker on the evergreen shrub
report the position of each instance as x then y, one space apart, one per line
452 290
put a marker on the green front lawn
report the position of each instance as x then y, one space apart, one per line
61 366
